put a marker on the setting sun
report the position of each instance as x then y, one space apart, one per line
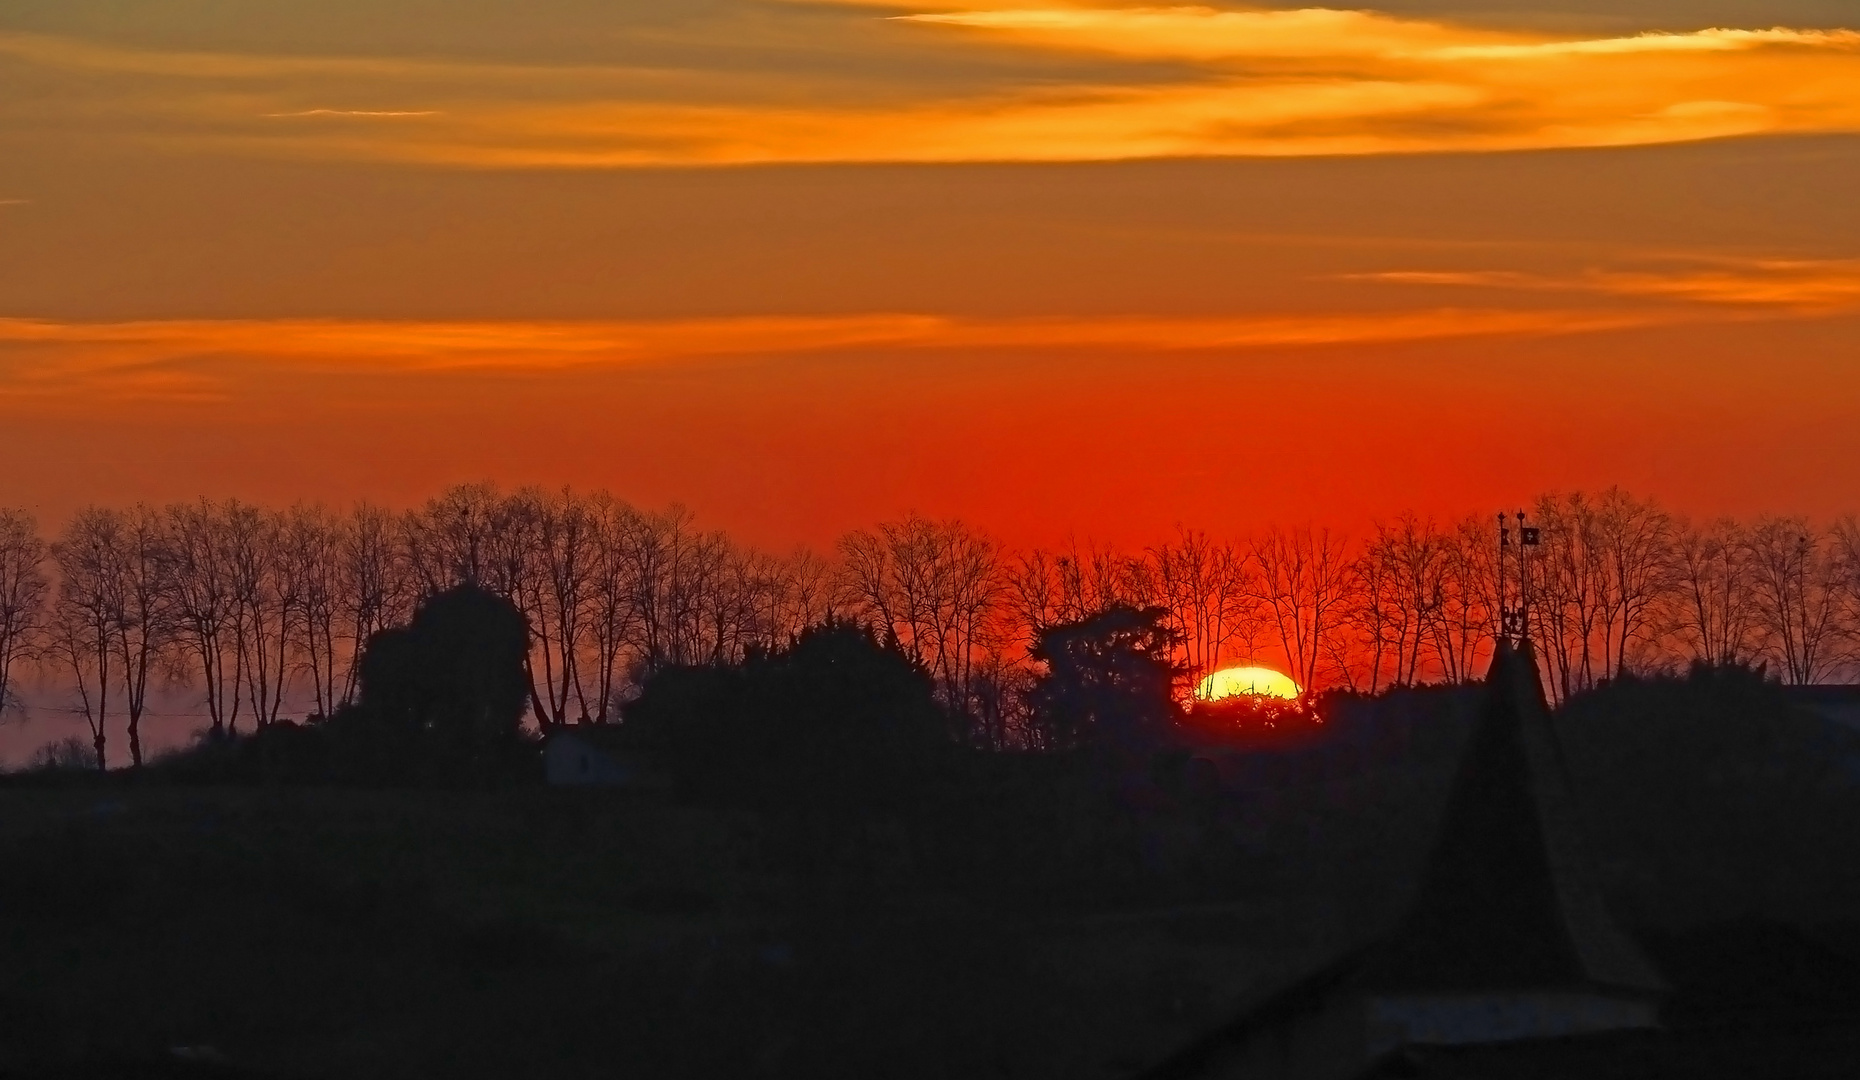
1261 681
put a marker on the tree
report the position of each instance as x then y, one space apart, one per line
935 587
1212 597
448 541
89 612
836 721
265 602
202 601
145 616
1566 586
1110 679
23 589
455 678
1713 612
1636 549
1466 609
611 616
566 551
1797 579
1305 579
312 540
376 583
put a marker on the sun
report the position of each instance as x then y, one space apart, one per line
1262 681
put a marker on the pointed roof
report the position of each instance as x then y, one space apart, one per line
1508 900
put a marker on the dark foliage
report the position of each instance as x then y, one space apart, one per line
456 675
1109 680
1245 719
836 720
1712 796
442 702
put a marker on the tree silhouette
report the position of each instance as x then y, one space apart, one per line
1109 679
23 589
836 720
454 678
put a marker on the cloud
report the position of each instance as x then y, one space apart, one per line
209 360
1314 33
1039 83
1796 286
354 112
1715 40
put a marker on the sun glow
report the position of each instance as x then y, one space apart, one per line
1260 681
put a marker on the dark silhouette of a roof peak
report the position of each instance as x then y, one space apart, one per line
1507 937
1507 900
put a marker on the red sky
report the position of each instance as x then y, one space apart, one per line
767 258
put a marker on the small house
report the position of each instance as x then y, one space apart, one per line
594 755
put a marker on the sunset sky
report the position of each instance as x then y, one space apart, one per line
1050 267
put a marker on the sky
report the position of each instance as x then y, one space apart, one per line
1054 268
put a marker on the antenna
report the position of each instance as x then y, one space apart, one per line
1513 620
1504 545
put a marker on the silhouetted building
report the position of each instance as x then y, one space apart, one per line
1833 702
594 754
1507 938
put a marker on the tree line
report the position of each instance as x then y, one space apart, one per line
256 609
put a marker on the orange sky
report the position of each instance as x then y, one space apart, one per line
1049 267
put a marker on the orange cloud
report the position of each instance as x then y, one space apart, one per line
1243 82
204 360
1802 286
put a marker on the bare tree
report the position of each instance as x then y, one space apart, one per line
23 589
1046 588
1847 551
1304 580
1467 611
611 617
1367 631
1712 612
807 592
1635 546
1206 587
313 540
1567 585
566 561
201 577
932 586
265 605
377 582
88 612
654 547
1403 569
145 624
449 540
1797 577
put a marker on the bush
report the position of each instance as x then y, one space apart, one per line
1712 796
73 753
835 720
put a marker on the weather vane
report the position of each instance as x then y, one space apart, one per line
1512 618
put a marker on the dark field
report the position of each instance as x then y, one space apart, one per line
346 934
1019 926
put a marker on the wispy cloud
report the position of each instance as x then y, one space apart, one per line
370 113
209 360
1714 40
15 202
1137 82
1803 286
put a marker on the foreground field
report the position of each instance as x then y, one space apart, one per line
538 932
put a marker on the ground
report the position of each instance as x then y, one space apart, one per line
563 933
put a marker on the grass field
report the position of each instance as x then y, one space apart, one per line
553 933
1015 931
